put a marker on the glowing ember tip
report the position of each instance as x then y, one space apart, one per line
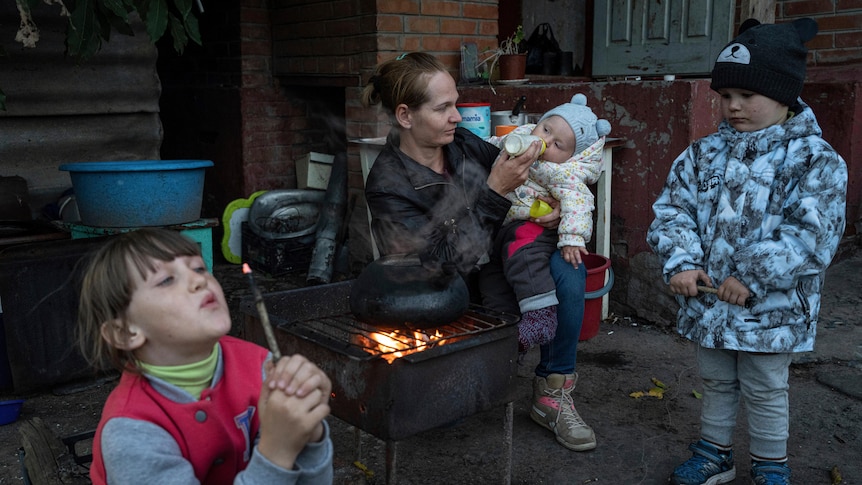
245 268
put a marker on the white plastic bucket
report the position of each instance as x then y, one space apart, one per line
476 117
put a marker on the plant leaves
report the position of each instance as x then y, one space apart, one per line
82 38
118 7
184 7
157 19
178 32
193 30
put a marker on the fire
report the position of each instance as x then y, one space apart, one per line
394 345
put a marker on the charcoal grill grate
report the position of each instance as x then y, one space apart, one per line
346 334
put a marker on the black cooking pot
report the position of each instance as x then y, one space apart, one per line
409 291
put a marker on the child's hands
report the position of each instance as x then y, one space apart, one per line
572 254
297 375
733 292
685 282
294 401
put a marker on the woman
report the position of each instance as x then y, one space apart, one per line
438 189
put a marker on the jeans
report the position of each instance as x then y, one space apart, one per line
558 356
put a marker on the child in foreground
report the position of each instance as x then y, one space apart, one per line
574 139
756 210
193 405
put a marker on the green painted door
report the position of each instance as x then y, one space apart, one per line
656 37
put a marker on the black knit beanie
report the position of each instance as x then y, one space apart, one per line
768 59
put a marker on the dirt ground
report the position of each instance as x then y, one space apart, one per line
639 440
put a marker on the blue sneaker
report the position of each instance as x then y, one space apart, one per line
707 466
770 473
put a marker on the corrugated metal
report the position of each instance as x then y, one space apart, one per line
104 109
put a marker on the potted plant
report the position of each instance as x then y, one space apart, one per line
511 55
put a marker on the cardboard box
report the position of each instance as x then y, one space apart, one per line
313 170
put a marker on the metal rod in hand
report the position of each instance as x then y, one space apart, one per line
264 315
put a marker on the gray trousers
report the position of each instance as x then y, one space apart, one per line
761 380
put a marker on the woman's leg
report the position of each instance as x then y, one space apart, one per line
558 356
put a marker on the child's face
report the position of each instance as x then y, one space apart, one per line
559 137
748 111
179 310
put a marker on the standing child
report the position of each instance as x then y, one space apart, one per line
193 405
573 138
756 210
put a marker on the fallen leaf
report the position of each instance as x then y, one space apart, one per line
696 394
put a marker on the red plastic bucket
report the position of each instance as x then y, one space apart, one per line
597 265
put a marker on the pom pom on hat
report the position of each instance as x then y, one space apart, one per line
768 59
586 125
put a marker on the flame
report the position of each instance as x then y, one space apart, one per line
394 345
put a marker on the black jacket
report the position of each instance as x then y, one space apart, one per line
416 210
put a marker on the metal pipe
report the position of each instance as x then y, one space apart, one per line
329 224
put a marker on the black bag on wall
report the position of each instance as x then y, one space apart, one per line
541 41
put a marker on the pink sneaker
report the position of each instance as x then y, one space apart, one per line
554 409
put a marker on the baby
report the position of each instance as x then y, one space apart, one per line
574 139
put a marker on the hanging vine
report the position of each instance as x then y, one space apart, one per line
91 22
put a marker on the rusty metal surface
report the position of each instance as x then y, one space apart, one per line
415 393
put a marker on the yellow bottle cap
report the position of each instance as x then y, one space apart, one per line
540 208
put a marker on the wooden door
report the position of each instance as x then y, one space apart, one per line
655 37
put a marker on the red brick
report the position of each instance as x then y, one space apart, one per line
840 22
461 27
802 8
389 23
398 6
847 5
423 25
849 39
444 44
839 56
341 27
441 7
488 12
820 41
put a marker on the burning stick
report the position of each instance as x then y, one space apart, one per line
264 316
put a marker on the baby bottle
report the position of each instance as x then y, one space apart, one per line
517 144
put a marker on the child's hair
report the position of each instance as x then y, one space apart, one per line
107 288
403 80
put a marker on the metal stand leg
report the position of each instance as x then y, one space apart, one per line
391 462
508 421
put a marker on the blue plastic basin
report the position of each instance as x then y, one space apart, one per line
138 193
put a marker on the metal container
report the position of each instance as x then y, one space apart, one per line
472 372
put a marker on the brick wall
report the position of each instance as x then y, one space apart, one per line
839 40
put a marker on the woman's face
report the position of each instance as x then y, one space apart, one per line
433 123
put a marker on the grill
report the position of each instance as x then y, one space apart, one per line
454 371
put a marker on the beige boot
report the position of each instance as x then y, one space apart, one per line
554 409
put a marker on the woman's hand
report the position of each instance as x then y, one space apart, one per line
508 173
551 220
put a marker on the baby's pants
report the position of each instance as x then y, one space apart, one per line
761 380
